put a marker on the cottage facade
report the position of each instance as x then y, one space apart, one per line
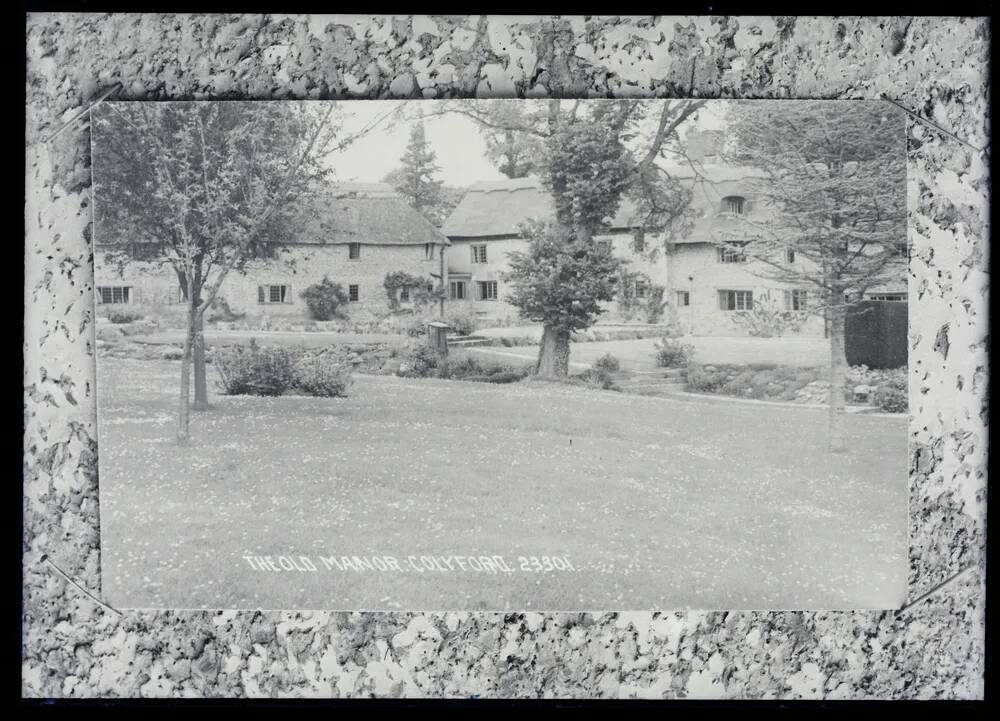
360 233
704 286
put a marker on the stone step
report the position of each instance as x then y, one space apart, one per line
467 342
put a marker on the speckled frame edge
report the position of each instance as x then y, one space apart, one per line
936 67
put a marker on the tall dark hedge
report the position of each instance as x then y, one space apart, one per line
875 334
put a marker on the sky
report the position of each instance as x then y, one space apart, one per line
460 149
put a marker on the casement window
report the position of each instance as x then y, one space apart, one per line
456 290
683 298
478 253
735 300
354 251
404 294
268 294
796 299
732 255
352 293
639 240
895 297
115 294
428 251
789 256
641 289
487 290
733 204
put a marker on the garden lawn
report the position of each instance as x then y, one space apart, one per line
638 355
657 503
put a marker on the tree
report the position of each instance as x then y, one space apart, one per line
204 188
449 197
416 177
591 155
833 184
514 153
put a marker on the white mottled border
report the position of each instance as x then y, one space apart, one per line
936 67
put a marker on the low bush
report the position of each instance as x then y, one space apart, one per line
255 370
474 369
462 322
673 353
124 316
325 300
220 312
607 362
322 375
419 361
890 399
597 378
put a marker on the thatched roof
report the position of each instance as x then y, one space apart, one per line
370 213
497 208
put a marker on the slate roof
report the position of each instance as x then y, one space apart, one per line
496 208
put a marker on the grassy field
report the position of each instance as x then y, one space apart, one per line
638 355
656 503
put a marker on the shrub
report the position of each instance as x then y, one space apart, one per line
655 305
323 375
706 379
474 369
325 300
890 399
415 326
419 361
672 353
461 322
597 378
124 316
253 370
219 311
608 363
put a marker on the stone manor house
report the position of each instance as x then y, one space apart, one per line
368 230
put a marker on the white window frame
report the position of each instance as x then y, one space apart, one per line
428 251
454 285
731 255
484 286
641 288
796 300
353 248
684 295
125 294
266 293
889 297
353 293
742 299
478 250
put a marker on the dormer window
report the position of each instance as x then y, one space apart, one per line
733 204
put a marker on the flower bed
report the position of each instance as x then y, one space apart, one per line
886 389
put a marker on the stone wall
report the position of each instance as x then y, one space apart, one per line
935 648
296 266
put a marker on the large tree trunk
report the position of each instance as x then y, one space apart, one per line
553 356
198 352
184 412
838 375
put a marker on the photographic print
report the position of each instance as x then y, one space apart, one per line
501 355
